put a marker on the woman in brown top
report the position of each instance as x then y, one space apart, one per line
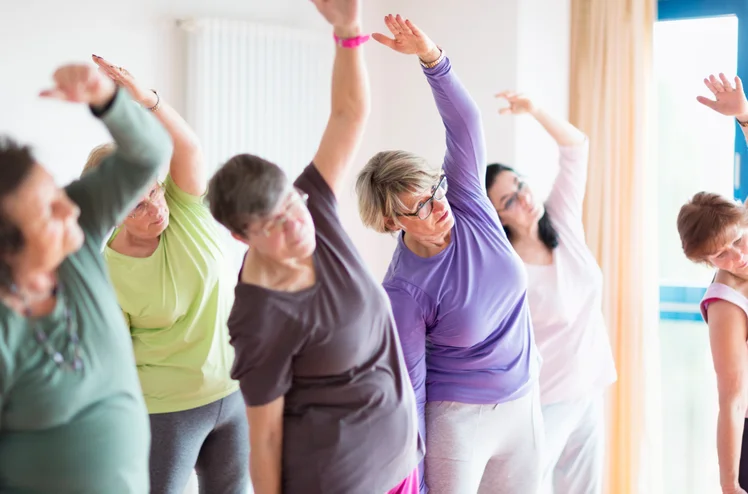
329 402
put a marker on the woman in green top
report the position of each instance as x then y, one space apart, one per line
173 281
72 417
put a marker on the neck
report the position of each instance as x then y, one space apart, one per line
276 268
428 245
529 233
137 241
285 275
33 285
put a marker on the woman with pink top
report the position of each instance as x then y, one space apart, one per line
564 289
712 230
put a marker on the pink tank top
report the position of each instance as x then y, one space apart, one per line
718 291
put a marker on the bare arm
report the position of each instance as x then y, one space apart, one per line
266 446
187 165
728 332
350 96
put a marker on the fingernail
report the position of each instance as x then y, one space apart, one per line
95 56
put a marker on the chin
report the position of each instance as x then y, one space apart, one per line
74 239
539 212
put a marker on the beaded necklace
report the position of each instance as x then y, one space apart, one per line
72 348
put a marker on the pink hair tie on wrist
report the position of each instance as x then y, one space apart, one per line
351 42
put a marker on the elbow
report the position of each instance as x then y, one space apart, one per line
353 114
733 401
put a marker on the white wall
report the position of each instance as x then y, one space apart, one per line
493 45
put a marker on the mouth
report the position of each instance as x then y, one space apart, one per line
443 217
160 221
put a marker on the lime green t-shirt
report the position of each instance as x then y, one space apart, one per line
177 303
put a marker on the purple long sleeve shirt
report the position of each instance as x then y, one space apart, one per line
462 315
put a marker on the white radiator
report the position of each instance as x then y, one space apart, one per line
258 89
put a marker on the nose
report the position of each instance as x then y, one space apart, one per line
67 209
153 208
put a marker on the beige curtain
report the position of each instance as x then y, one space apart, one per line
611 74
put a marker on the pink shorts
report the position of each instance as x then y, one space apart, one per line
408 486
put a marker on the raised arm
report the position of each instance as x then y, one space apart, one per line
350 102
143 146
187 166
566 198
465 160
729 100
728 333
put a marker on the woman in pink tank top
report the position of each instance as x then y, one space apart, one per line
714 230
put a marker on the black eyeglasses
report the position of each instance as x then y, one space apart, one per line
513 198
423 210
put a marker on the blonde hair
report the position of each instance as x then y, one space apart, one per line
97 155
385 177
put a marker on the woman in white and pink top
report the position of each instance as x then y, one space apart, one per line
714 231
565 297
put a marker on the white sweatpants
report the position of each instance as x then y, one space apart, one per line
486 449
574 446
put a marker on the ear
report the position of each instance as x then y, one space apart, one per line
391 225
240 238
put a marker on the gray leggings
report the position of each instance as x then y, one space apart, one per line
213 439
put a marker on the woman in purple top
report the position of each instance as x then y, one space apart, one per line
458 293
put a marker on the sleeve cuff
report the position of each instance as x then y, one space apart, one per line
100 112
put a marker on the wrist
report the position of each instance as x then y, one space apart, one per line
346 32
148 99
431 55
730 487
105 94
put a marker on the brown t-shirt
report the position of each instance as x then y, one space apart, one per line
350 423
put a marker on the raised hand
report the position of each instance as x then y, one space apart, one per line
728 100
342 14
408 39
124 79
80 83
518 103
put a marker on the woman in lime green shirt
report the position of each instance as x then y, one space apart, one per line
170 271
72 417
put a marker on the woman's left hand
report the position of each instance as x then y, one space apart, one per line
408 39
123 78
518 103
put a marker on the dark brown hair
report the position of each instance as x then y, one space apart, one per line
703 223
16 162
548 235
246 187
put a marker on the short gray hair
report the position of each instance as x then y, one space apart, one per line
387 175
245 188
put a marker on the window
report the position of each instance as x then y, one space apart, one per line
697 150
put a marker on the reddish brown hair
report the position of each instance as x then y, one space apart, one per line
704 221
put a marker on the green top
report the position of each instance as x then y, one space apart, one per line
88 431
177 302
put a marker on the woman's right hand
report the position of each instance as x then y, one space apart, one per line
408 39
728 100
518 103
343 15
79 83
